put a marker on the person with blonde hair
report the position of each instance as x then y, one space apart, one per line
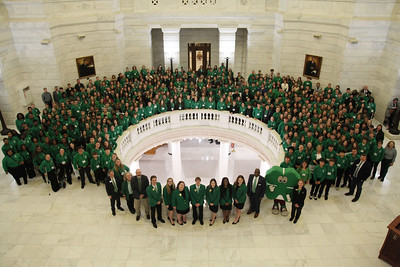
127 191
167 197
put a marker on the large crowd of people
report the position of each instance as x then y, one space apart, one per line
327 135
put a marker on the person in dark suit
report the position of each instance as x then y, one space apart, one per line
298 195
255 190
113 188
127 191
360 171
140 183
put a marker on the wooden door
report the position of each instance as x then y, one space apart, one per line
199 55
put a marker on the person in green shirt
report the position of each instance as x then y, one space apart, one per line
257 112
64 166
13 164
95 166
167 197
127 191
197 194
120 169
376 155
330 178
351 158
299 157
286 163
154 194
48 168
27 159
7 146
239 196
330 153
225 199
318 177
304 171
341 164
82 164
272 123
212 197
180 202
363 147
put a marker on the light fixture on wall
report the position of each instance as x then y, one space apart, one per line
45 41
279 31
353 40
118 32
80 35
317 36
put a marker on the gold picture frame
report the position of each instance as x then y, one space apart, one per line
312 66
86 67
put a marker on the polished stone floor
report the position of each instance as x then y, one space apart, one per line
74 227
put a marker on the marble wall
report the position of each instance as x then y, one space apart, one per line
271 34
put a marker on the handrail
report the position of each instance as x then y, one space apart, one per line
176 125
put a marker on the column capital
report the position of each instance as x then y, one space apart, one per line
231 30
171 30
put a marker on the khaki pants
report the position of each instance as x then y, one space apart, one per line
145 203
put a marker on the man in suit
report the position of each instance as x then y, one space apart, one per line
255 190
197 193
113 188
127 192
360 171
140 183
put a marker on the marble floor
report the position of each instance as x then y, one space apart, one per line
74 227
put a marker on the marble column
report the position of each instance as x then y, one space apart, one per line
171 47
224 150
227 44
176 160
264 167
134 166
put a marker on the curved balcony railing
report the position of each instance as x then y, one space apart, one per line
177 125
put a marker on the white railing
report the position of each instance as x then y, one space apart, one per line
221 125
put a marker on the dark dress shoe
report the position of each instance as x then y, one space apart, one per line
113 212
193 222
121 209
82 186
295 221
138 218
326 197
250 212
201 222
291 219
256 215
161 220
148 217
354 200
348 194
154 225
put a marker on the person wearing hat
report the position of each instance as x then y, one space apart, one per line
82 163
13 164
154 194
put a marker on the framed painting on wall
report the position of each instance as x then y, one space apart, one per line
85 67
312 66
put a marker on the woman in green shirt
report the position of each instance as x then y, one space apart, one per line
180 202
28 163
304 172
13 164
212 197
239 196
225 200
167 196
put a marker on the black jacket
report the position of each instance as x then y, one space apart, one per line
364 172
261 186
140 191
298 198
110 186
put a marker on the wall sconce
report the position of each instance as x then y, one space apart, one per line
45 41
317 36
353 40
80 36
279 31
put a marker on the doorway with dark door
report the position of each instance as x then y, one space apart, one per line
199 56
